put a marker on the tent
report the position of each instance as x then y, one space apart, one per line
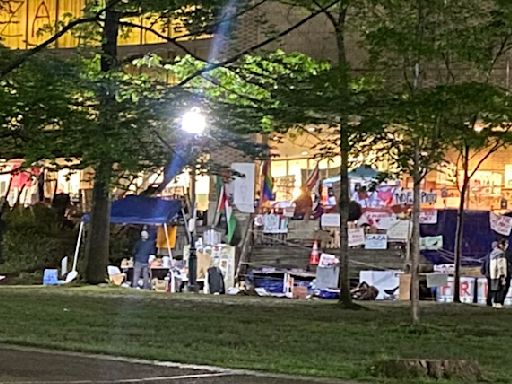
142 210
476 240
134 209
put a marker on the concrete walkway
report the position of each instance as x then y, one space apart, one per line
20 365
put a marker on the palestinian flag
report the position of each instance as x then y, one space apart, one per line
225 206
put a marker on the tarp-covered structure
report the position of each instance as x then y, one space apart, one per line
142 210
476 241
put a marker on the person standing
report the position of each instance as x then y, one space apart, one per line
303 204
508 277
498 273
484 270
144 247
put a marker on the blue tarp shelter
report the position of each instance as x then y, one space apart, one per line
134 209
476 240
142 210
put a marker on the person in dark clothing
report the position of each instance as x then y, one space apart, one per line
497 272
143 248
303 204
3 227
508 277
216 281
484 270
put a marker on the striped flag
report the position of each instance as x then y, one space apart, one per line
225 206
312 180
266 187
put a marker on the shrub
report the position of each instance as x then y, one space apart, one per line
34 240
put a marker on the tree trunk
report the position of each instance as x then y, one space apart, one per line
415 242
343 74
97 250
345 297
459 232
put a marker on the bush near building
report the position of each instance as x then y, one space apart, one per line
35 238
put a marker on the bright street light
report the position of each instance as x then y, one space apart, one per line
194 122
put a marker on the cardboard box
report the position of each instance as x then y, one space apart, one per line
117 279
405 286
300 293
159 285
470 271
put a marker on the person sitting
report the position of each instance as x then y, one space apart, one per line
364 291
303 204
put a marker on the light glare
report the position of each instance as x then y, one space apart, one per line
194 122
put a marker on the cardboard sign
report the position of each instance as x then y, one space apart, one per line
500 224
330 220
275 224
431 243
386 223
244 187
372 216
428 216
327 259
382 280
376 241
405 197
400 231
444 268
356 237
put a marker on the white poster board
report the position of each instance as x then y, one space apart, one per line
224 257
386 223
376 241
444 268
431 243
275 224
500 224
330 220
406 196
356 237
243 187
382 280
400 231
428 216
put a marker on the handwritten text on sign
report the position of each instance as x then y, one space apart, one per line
406 197
500 224
376 241
356 237
428 216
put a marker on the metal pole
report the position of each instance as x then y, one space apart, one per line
192 258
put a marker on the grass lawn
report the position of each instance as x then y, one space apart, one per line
305 338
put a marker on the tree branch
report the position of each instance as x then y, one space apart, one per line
493 149
329 15
212 66
171 40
